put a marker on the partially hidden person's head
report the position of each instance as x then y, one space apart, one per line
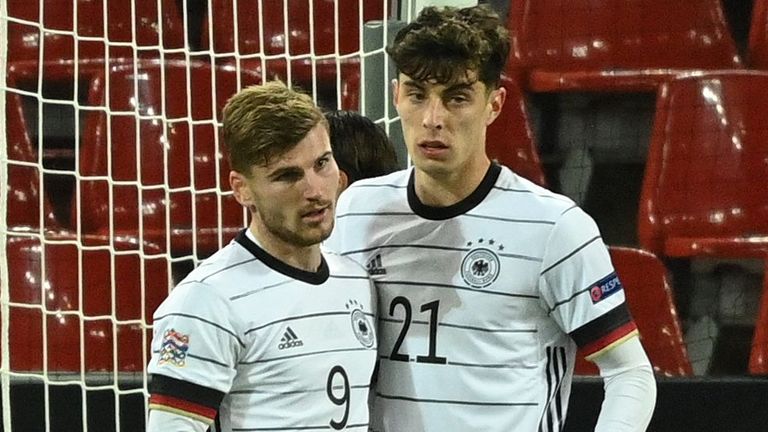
361 148
282 163
449 63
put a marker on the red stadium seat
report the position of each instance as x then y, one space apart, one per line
617 45
65 22
309 41
758 36
758 360
76 304
652 305
157 143
509 139
304 36
704 191
60 290
27 208
24 76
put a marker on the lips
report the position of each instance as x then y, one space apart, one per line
433 144
315 214
433 149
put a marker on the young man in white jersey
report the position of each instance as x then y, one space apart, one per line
269 333
487 283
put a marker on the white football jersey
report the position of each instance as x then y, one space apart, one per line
261 345
482 303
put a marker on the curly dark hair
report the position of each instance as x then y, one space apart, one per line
446 44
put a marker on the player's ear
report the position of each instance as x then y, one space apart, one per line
496 102
343 181
239 186
395 88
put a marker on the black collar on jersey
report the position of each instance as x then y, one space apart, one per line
453 210
314 278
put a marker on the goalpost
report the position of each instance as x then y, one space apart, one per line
113 177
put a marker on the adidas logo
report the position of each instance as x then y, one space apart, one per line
290 340
375 267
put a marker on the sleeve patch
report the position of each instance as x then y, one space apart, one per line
605 287
173 350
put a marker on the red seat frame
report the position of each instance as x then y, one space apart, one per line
156 143
651 302
510 140
617 45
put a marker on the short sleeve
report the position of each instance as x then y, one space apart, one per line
195 349
579 286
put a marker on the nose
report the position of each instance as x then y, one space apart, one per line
434 114
313 186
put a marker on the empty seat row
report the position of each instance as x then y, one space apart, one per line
292 28
617 45
54 30
150 163
279 40
613 45
88 297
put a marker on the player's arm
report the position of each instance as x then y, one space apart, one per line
195 346
168 421
630 388
586 298
181 406
611 341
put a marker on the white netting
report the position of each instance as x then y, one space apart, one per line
112 174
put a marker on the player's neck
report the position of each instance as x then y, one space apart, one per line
307 258
446 189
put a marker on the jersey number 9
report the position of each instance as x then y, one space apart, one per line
340 400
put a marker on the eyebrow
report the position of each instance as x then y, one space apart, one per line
460 87
295 169
451 88
414 84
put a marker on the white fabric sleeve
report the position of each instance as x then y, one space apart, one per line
164 421
630 388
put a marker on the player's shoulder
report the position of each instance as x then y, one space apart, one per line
392 186
531 197
218 272
340 265
395 180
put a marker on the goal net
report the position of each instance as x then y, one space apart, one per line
113 179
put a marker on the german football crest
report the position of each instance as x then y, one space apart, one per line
480 266
361 325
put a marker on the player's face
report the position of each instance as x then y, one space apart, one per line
292 199
444 125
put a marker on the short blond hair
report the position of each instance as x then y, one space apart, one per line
265 121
